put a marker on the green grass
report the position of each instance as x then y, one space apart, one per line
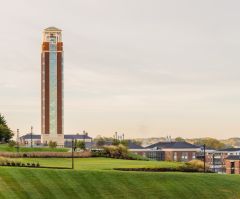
6 148
97 163
94 178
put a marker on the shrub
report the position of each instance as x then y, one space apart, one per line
197 164
133 156
52 144
112 151
12 143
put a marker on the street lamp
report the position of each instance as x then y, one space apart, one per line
31 136
73 149
18 140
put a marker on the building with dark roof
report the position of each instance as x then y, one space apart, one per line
173 145
36 139
169 151
232 163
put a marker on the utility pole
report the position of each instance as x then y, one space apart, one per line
72 154
213 160
31 136
18 140
204 160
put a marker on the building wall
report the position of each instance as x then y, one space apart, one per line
180 156
230 169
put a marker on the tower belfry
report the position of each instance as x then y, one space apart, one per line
52 86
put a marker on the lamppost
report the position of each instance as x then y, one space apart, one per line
31 136
204 160
73 148
18 140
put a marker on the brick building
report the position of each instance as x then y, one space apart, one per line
232 163
168 151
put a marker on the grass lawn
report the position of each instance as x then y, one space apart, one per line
6 148
97 163
94 178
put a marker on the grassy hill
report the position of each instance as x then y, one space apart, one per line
94 178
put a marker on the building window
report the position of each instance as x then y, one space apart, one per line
175 156
184 156
193 155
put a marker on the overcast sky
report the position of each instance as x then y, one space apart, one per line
145 68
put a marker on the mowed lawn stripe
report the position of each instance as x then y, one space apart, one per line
120 187
27 185
137 185
89 186
5 190
45 177
62 183
75 185
15 184
41 191
99 178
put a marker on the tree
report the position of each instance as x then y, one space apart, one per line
81 145
115 142
179 139
52 144
100 142
210 143
2 120
124 142
137 142
5 134
12 143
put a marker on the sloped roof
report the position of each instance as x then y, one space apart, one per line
230 149
52 28
233 157
28 136
173 145
78 136
132 145
34 136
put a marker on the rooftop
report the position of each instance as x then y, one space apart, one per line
77 136
173 145
52 28
233 157
230 149
132 145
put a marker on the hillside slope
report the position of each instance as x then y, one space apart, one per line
23 183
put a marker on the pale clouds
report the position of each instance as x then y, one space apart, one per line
146 68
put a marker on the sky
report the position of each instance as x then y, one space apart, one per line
145 68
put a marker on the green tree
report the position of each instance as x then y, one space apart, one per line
81 145
5 133
100 142
124 142
179 139
2 120
52 144
115 142
210 143
137 142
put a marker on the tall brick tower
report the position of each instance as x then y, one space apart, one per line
52 86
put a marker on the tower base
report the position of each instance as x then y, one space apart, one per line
59 138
